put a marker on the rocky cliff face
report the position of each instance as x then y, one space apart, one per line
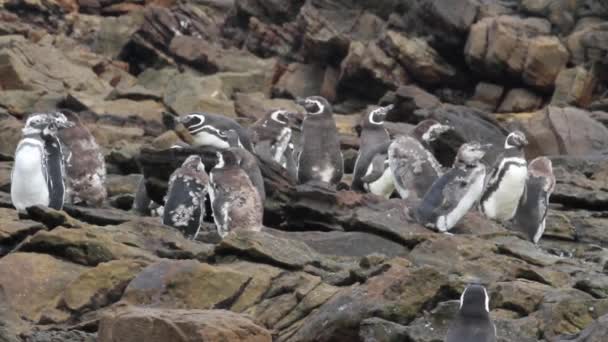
332 265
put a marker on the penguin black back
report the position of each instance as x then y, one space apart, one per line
472 322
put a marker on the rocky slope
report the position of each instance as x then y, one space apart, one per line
332 265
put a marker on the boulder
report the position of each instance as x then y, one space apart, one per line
299 80
408 99
368 64
156 325
186 93
587 43
421 61
574 87
520 100
59 335
10 133
509 46
487 96
35 287
186 284
595 332
256 105
115 32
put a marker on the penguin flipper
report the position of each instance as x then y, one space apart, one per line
378 165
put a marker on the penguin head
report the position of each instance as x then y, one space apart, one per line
542 167
203 129
194 122
376 117
315 105
38 123
195 163
430 130
516 139
280 117
470 153
474 301
227 159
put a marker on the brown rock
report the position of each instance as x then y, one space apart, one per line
588 41
368 64
300 80
546 57
154 325
10 134
32 281
520 100
574 87
186 284
487 96
187 93
409 98
419 59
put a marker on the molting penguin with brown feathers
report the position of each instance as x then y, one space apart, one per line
185 200
413 165
531 213
235 201
319 158
372 157
507 180
84 163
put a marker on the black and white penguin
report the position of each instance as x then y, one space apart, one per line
235 202
373 134
455 192
319 158
273 134
532 210
507 180
185 201
38 175
472 322
247 161
413 165
205 128
84 163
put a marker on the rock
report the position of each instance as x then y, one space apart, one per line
100 286
421 61
115 32
272 249
262 278
380 330
368 64
257 105
85 246
156 79
59 335
10 129
120 185
147 109
13 230
147 324
408 99
595 332
186 284
587 43
487 96
54 74
522 296
187 93
267 10
5 176
560 13
520 100
41 278
357 244
22 102
574 87
508 46
299 80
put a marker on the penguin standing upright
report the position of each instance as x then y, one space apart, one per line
454 193
413 166
319 158
532 210
235 202
84 162
373 134
472 322
185 201
272 135
205 128
247 161
38 175
507 180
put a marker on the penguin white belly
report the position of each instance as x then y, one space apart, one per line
446 222
207 139
502 204
383 186
280 146
28 185
325 173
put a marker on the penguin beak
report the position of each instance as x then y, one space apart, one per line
486 147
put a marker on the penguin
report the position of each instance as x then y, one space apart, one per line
247 161
414 167
373 134
472 322
84 163
235 202
507 181
38 174
319 158
455 192
273 134
532 210
185 200
205 128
